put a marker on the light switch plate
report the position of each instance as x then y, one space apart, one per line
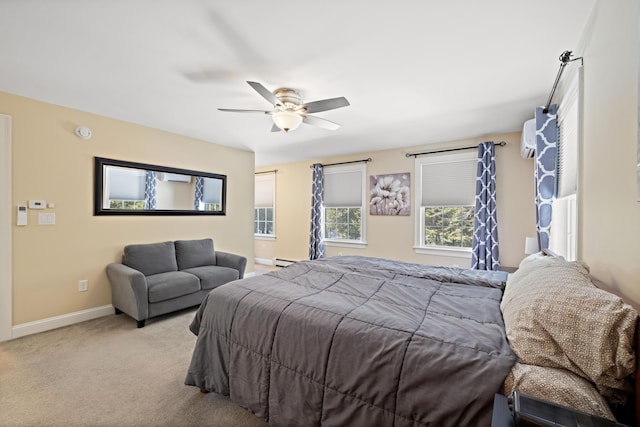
46 219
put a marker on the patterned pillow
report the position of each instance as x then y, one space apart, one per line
558 386
555 317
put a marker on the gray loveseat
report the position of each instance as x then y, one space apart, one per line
159 278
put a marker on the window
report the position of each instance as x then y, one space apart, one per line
445 202
563 236
212 195
125 188
264 211
344 199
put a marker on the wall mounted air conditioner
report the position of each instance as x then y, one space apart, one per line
528 144
175 177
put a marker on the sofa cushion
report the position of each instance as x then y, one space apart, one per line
173 284
151 258
213 276
194 253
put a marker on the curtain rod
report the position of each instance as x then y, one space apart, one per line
499 144
273 171
346 163
565 57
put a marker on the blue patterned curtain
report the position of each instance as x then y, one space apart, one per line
545 170
484 252
199 193
316 246
150 190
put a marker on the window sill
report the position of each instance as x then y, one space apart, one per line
264 236
444 251
345 244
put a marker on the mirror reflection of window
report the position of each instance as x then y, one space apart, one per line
211 195
124 188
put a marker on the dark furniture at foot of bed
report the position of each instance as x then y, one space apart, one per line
521 410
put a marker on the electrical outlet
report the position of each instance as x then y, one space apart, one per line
83 285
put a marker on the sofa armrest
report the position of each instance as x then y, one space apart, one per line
129 291
226 259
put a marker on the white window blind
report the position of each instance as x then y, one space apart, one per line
264 190
125 183
342 187
212 190
448 182
344 215
568 121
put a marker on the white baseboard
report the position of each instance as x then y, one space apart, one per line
253 273
263 261
55 322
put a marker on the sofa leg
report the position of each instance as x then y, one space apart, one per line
118 311
203 391
140 323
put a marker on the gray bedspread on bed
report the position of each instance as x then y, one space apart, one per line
355 341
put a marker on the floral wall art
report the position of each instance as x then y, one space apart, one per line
390 194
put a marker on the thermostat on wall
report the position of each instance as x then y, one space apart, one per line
37 204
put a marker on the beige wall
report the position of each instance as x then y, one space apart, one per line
51 163
609 220
174 195
609 223
393 237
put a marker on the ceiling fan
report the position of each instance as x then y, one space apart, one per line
289 111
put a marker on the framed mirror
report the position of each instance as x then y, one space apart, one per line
128 188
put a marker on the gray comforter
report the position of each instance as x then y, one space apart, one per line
355 341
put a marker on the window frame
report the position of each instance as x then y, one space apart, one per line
268 176
362 169
419 247
263 235
563 233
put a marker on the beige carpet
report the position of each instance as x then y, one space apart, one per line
106 372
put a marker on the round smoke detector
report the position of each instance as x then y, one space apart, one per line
83 132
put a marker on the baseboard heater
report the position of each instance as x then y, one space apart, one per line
279 262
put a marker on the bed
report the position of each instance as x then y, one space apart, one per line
365 342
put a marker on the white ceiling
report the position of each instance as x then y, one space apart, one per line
415 72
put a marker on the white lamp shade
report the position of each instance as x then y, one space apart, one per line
287 120
531 245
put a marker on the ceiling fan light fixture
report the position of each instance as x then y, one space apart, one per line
289 111
287 120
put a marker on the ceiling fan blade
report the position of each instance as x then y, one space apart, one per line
275 128
266 93
233 110
325 104
322 123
